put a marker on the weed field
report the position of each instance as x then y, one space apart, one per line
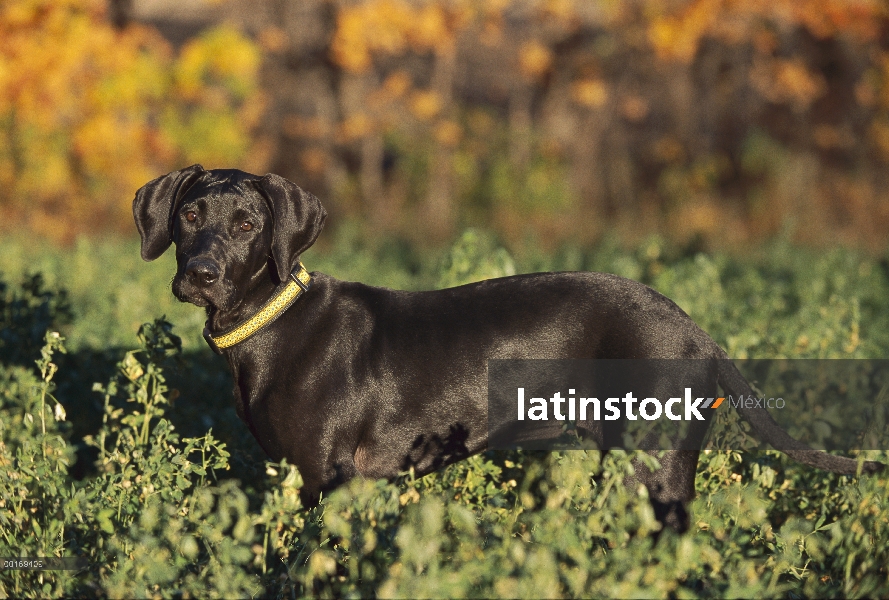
119 443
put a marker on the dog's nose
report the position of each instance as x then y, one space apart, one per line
201 272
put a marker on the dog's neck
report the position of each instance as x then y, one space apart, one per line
259 289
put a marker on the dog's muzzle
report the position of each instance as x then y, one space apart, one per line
201 283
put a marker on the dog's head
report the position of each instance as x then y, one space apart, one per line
227 226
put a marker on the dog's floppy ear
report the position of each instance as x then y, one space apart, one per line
154 206
298 219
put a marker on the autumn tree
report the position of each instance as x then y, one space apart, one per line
371 32
89 113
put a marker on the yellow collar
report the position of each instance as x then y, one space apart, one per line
286 294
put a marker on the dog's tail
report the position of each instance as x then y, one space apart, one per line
769 431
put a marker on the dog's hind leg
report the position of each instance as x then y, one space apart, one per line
677 448
671 487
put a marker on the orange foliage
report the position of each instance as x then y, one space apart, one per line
535 59
677 35
392 27
652 107
787 81
88 113
379 26
592 93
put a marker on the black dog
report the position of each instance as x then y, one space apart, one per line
343 379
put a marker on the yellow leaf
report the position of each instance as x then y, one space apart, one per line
535 59
592 93
425 104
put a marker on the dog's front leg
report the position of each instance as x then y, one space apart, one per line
322 473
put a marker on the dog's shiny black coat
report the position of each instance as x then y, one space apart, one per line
357 380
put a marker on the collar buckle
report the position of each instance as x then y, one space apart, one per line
300 271
209 339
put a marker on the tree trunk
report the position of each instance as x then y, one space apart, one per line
520 120
439 206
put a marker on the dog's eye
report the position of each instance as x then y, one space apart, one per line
190 216
246 226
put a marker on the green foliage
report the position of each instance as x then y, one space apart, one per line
475 256
155 512
28 311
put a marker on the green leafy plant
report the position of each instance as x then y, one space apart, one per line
156 513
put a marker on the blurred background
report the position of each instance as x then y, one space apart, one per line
719 121
453 140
